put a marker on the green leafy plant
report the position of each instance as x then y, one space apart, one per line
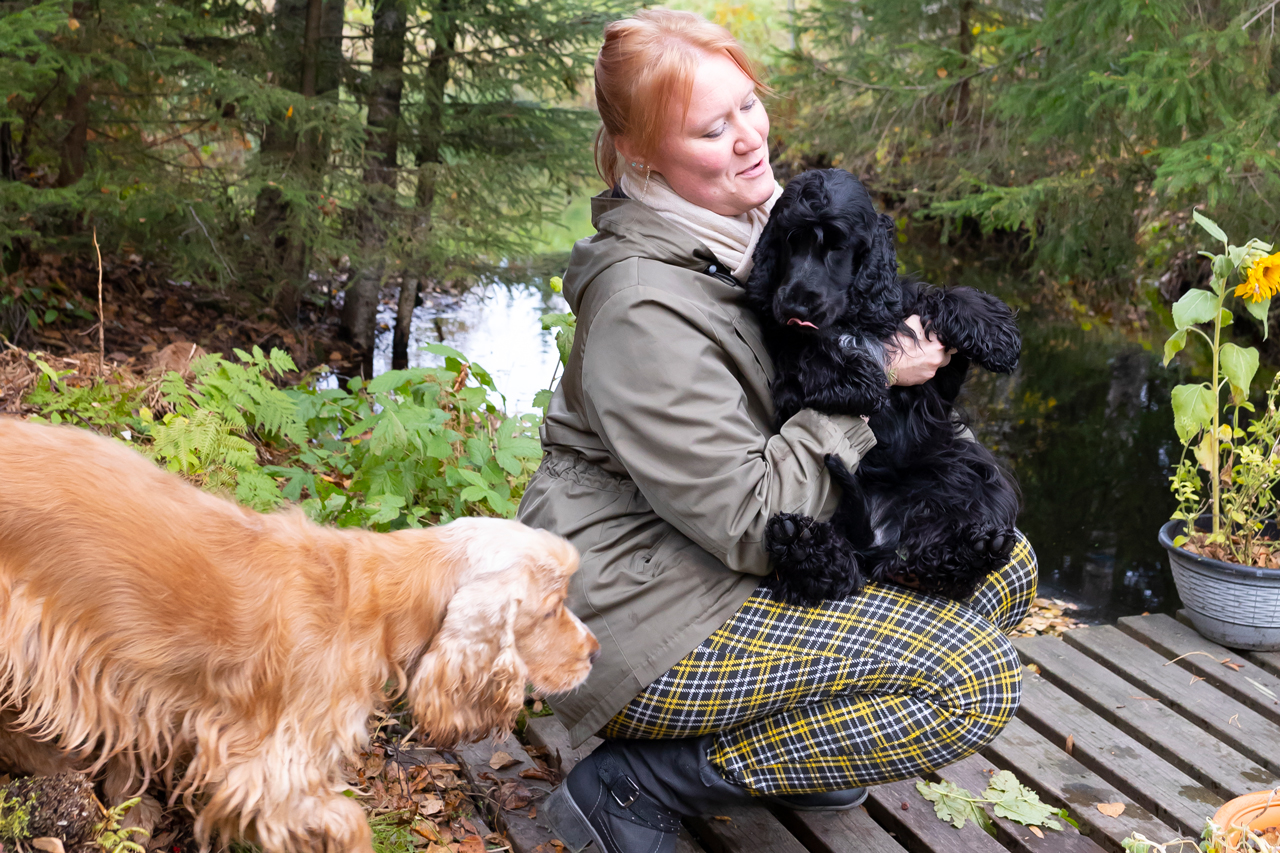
1239 462
114 839
1007 797
408 448
565 325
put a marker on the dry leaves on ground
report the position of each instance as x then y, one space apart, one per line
1047 617
413 788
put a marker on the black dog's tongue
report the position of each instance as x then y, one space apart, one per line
796 321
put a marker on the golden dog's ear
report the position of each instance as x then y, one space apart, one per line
471 679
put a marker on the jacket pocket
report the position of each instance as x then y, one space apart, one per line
648 565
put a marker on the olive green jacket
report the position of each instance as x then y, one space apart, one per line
662 462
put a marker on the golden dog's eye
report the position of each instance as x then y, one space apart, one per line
555 611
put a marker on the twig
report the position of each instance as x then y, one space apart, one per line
1189 654
102 348
211 243
1261 12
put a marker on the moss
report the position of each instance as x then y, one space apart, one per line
15 817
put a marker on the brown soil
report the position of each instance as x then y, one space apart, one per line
144 312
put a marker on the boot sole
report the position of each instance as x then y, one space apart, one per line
568 823
843 808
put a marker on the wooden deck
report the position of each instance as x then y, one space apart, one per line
1144 713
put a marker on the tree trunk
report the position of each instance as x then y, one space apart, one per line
965 46
308 41
386 87
408 300
76 142
444 34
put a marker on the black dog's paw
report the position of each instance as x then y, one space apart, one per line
811 561
1001 350
789 537
980 326
994 543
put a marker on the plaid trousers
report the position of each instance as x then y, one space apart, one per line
884 685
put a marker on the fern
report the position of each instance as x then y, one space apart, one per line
411 447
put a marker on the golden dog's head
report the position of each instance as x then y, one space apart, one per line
505 626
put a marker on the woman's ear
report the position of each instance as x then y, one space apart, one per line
471 680
624 147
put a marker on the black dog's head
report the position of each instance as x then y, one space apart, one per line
826 258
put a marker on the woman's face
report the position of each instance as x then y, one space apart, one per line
719 157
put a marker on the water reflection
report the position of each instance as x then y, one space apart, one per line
1085 425
494 324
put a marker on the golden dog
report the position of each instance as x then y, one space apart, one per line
153 631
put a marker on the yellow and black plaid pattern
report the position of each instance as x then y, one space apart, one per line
881 686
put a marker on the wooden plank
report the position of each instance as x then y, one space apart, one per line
549 733
917 827
1174 738
974 774
1244 729
1269 661
747 829
849 831
1161 789
526 833
1061 780
1252 685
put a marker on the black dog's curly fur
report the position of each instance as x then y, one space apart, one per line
925 507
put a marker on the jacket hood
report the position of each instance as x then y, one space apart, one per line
626 228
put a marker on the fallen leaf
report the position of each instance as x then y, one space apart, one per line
1195 678
1235 666
533 812
430 805
513 796
48 845
502 760
1071 742
1111 809
1035 830
724 818
538 773
471 844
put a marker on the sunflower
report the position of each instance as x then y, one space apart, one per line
1263 280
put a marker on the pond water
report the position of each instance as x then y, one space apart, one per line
494 324
1084 424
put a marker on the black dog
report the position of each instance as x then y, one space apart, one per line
926 507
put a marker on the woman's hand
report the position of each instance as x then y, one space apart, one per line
915 361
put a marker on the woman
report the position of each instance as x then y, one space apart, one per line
662 465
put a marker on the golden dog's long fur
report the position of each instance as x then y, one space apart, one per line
156 632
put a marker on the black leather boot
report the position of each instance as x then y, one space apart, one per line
825 801
628 795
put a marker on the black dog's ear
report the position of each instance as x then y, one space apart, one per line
876 279
760 281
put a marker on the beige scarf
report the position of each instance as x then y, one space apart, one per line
732 239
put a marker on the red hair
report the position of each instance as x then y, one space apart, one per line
648 63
